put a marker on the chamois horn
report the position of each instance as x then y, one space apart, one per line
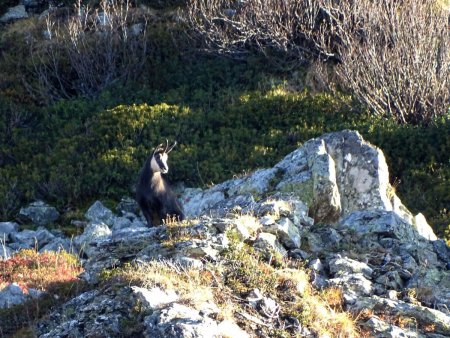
174 144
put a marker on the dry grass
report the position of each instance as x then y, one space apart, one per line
241 270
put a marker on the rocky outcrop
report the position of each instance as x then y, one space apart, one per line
327 205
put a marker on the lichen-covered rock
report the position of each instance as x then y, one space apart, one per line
256 184
432 286
353 285
361 239
127 205
39 213
380 329
337 174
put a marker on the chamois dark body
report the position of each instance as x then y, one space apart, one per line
153 193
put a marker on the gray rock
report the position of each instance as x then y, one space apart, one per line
256 184
155 298
381 329
57 245
442 250
14 13
286 232
273 206
11 295
360 171
189 263
98 213
179 321
196 201
121 223
33 239
236 205
197 249
326 204
109 313
432 286
269 244
246 227
127 205
381 223
423 228
346 266
39 213
7 228
323 239
353 285
390 280
424 315
316 265
93 234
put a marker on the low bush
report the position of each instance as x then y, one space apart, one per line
54 273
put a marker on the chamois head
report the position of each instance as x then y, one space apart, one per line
158 162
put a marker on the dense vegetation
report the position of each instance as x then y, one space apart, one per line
70 135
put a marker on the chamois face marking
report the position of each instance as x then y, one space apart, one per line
159 162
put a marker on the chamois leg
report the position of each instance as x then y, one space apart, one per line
147 215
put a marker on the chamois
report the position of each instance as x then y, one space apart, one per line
153 194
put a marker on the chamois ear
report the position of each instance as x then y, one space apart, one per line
159 149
